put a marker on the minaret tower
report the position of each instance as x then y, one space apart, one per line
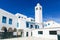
38 13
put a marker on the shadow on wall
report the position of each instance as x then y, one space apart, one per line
4 29
10 33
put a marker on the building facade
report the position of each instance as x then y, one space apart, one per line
30 26
7 19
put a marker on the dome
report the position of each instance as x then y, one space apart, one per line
38 4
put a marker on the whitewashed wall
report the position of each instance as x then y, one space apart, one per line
45 33
8 15
22 24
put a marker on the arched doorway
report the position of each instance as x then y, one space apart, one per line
10 32
15 30
10 29
4 29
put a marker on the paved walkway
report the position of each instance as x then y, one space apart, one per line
28 38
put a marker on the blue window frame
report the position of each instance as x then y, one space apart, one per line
4 19
10 21
27 24
36 27
48 23
17 24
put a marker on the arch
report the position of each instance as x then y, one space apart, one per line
4 29
10 29
14 30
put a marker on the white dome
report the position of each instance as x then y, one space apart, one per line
38 4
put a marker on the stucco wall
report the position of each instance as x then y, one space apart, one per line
8 15
45 33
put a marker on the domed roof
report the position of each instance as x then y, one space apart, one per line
38 4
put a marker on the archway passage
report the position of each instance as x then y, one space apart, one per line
4 33
4 29
15 30
10 29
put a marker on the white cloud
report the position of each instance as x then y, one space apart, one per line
50 18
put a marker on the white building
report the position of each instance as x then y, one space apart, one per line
30 26
7 19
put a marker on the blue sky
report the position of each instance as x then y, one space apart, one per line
51 8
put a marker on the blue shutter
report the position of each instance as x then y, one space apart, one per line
27 24
17 24
10 21
4 19
38 27
35 26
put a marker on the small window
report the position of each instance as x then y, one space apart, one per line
19 17
22 17
45 24
31 33
40 32
4 19
48 23
36 27
27 34
36 8
17 24
27 24
31 26
52 32
31 20
10 21
40 8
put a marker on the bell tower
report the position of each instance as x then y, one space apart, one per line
38 13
